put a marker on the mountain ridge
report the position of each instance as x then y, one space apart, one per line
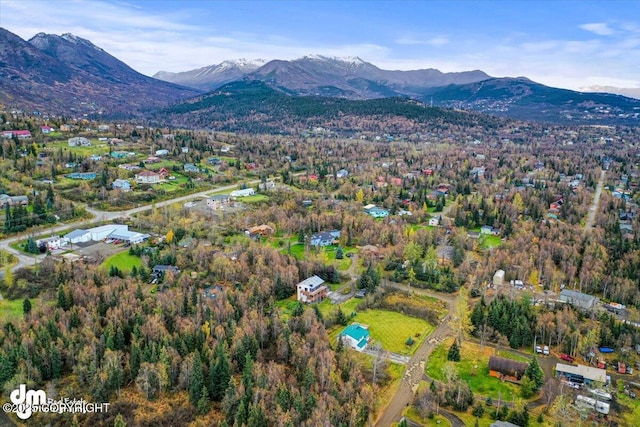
70 74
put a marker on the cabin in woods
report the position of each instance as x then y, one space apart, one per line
506 369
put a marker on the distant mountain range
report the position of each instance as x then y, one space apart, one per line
67 74
624 91
349 77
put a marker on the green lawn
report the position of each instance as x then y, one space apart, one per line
123 261
488 242
436 421
97 147
473 368
393 329
11 310
254 199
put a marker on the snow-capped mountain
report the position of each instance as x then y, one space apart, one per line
212 76
313 74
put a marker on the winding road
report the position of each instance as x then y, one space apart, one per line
413 373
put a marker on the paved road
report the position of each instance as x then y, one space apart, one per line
413 374
98 216
593 209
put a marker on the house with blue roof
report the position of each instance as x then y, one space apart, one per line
377 212
356 336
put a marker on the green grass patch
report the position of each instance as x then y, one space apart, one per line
472 368
631 412
254 199
123 261
12 311
436 421
487 241
513 356
393 329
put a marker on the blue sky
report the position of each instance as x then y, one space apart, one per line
571 44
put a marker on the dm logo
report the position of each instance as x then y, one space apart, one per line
25 400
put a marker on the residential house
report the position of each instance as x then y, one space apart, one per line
191 168
46 129
264 186
212 292
184 150
121 184
356 336
160 270
434 221
325 238
311 290
218 201
160 153
52 243
225 149
86 176
487 229
66 128
152 159
103 128
260 230
396 182
500 423
147 177
342 173
578 299
118 154
79 141
506 369
581 374
243 193
20 134
13 200
376 212
214 161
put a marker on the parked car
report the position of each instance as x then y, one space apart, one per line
566 357
545 350
538 349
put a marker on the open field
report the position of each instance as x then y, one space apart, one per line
123 261
12 311
472 368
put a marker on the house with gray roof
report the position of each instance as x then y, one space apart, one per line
578 299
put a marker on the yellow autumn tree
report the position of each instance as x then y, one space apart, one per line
170 236
360 196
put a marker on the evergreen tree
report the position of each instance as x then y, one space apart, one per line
203 402
454 352
219 374
196 380
339 253
26 306
535 373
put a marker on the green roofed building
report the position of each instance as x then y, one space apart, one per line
355 336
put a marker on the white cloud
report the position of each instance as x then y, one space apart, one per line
598 28
428 41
